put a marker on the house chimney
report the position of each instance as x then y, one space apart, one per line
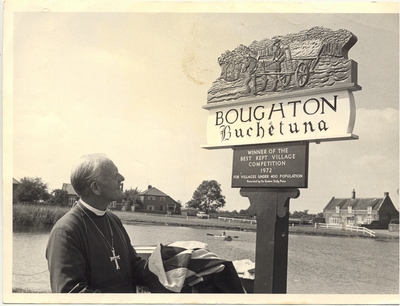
149 187
353 194
386 194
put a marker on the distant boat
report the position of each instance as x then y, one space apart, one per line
219 236
223 236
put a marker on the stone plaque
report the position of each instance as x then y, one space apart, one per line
283 165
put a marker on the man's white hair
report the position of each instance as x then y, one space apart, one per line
86 170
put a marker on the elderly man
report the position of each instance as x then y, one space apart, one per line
89 250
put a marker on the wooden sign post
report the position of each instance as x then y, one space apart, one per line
272 99
272 209
280 167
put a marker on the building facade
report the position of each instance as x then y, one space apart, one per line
361 211
154 200
72 195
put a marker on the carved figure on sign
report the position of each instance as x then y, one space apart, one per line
309 59
249 69
279 54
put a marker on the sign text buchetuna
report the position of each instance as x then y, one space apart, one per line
309 118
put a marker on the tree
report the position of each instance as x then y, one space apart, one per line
60 197
31 190
302 215
207 197
131 198
244 212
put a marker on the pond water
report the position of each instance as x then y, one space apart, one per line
317 265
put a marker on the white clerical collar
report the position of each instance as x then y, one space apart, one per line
98 212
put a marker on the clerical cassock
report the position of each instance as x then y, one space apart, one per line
90 251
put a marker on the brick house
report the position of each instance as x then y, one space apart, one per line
72 195
155 200
361 211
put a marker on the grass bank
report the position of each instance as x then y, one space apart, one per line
37 215
141 218
178 220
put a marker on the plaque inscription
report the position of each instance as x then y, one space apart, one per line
272 165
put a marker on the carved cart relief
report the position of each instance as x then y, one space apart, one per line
309 59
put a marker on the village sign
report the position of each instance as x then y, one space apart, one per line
271 100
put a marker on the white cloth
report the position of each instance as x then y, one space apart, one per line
244 268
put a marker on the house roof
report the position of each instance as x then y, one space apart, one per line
69 189
357 203
15 181
153 192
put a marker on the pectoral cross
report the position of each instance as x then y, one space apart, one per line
112 258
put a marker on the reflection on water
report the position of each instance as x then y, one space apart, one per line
319 265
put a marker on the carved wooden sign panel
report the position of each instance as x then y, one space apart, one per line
296 87
309 59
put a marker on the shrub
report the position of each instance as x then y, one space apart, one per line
37 215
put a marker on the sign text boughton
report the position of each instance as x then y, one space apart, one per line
307 118
309 107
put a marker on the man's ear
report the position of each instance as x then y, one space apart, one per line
95 187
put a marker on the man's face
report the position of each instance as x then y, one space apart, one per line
110 183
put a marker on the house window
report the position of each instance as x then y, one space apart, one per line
369 220
334 220
152 198
337 209
150 207
161 207
349 209
369 210
162 198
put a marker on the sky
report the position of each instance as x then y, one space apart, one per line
132 85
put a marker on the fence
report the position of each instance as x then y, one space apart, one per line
326 225
237 220
357 229
350 228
